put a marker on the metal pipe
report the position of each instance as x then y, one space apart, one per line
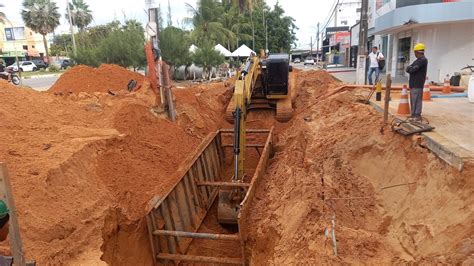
179 257
237 117
224 184
234 237
248 146
228 130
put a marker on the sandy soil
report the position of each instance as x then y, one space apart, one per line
84 165
335 149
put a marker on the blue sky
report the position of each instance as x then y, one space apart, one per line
307 13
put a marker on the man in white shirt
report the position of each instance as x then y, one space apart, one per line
374 57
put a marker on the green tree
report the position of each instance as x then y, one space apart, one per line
42 17
174 46
207 57
206 20
236 23
114 43
281 30
61 46
81 15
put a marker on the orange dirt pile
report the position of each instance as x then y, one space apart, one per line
334 149
85 165
103 79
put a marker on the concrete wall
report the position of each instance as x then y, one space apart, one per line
449 47
31 39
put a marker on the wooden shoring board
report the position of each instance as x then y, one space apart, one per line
6 195
189 200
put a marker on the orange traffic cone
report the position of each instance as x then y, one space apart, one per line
426 91
447 86
404 106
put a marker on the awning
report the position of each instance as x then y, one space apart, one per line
242 51
33 52
12 54
222 50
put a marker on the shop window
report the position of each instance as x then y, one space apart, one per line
9 34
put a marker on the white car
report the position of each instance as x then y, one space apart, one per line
26 66
309 61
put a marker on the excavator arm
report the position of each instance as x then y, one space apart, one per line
229 200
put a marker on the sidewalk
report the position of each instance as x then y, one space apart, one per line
349 77
453 118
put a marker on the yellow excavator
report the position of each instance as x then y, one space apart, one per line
262 84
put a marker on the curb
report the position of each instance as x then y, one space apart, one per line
42 76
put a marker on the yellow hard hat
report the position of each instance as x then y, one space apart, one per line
419 47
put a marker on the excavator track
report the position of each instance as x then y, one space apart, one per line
284 110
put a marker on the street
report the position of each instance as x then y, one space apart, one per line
41 83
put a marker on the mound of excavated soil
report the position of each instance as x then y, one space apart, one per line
103 79
392 201
77 161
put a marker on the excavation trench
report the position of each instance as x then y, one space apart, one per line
97 160
391 200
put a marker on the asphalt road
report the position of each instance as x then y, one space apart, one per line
40 84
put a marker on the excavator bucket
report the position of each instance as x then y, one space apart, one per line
174 220
227 207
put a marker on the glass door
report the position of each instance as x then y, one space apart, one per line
403 55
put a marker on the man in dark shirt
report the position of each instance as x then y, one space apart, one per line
417 71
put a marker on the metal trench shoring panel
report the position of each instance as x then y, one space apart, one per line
173 220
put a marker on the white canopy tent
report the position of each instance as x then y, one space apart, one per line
242 51
192 48
222 50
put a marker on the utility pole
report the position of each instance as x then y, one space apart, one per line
336 10
71 28
266 32
361 58
311 46
317 45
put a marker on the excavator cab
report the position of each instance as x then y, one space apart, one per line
275 70
269 87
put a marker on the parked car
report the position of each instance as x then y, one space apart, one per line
297 60
26 66
65 63
40 64
309 61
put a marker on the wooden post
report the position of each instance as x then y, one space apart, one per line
14 234
387 98
168 93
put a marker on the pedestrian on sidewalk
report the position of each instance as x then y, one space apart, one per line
375 56
417 71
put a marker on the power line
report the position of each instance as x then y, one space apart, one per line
328 17
332 14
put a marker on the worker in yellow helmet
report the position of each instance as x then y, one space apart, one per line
417 71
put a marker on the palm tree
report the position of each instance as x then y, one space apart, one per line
42 17
81 15
238 24
206 21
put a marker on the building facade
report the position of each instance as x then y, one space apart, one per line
337 41
446 27
18 40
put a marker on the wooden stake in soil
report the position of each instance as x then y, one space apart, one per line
14 234
387 98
